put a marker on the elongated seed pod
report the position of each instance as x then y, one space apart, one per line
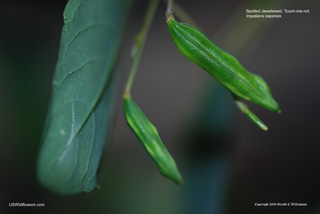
148 136
226 69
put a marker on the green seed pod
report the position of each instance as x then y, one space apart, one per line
226 69
148 135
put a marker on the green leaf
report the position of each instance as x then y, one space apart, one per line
148 136
80 112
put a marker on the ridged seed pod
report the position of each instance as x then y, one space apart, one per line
148 135
226 69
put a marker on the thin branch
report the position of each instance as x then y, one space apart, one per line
244 109
169 12
139 44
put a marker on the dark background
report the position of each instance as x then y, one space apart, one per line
227 162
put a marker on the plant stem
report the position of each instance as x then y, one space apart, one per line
169 12
139 44
180 12
244 109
